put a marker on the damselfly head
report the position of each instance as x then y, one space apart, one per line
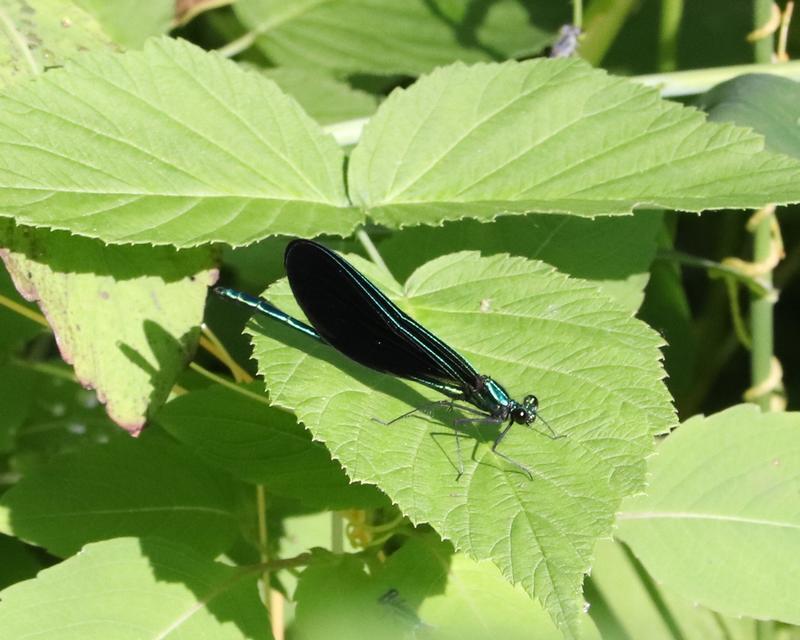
525 412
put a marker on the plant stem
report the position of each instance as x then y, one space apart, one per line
765 630
763 47
761 307
761 316
604 20
263 548
372 250
577 13
671 14
337 532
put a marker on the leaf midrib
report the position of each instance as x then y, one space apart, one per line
710 517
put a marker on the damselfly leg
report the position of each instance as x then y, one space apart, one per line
426 408
503 432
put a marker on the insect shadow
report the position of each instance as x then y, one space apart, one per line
443 412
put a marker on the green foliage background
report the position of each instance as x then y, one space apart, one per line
529 211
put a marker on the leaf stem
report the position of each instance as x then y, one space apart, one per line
688 83
48 369
212 344
301 560
227 383
739 327
372 250
23 311
756 284
242 43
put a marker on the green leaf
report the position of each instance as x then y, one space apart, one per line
19 562
336 594
666 309
552 136
396 36
64 417
323 98
262 445
436 594
721 512
623 592
614 252
337 599
126 318
145 486
131 22
159 169
16 396
768 104
96 298
17 329
136 589
299 533
594 368
43 33
478 603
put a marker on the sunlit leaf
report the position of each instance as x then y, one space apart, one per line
62 27
596 372
721 511
117 146
554 136
126 318
146 588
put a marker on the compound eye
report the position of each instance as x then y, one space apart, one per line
531 402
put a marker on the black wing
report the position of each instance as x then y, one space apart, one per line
361 322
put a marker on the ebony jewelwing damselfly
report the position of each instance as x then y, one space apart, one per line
351 314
